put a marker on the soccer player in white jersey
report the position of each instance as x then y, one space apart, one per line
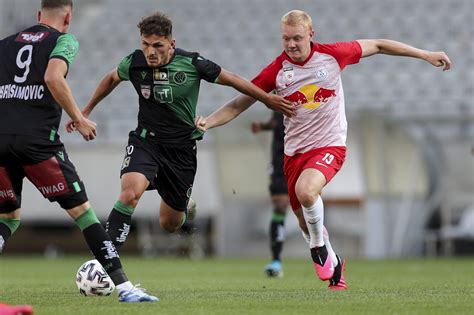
309 74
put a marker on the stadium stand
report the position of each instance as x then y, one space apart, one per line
424 114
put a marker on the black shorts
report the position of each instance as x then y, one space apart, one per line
45 163
278 184
170 169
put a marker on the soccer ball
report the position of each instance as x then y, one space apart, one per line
92 279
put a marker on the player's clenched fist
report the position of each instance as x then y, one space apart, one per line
200 123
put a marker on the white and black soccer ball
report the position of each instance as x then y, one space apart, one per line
93 280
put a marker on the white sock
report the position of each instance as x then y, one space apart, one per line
331 252
127 286
306 237
314 217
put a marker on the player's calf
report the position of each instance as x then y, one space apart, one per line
119 223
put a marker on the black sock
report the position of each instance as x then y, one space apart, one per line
118 276
5 233
277 230
118 227
319 255
104 251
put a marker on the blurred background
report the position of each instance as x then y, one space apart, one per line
406 189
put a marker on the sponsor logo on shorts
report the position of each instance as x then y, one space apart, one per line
322 164
189 192
61 155
52 189
126 162
7 194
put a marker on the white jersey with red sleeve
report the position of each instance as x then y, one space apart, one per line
315 88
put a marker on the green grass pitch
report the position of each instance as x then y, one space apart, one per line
238 286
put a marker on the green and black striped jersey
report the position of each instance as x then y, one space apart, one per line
27 106
168 94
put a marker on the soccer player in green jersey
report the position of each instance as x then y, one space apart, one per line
161 151
33 92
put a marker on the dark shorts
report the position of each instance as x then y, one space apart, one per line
170 169
46 164
278 184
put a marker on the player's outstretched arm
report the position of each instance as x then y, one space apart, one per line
274 102
226 113
54 78
390 47
108 83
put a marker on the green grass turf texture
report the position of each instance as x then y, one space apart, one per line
239 286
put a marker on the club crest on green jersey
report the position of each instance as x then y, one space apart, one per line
180 77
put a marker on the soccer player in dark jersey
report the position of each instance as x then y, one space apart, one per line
161 151
309 74
278 191
33 92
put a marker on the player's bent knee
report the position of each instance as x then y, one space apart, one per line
79 210
305 196
129 197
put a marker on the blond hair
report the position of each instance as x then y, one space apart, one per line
297 17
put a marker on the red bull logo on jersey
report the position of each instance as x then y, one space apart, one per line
311 96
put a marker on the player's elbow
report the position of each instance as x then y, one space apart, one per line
227 78
52 80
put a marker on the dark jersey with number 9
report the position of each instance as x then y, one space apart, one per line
27 107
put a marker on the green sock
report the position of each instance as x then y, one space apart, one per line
87 219
183 219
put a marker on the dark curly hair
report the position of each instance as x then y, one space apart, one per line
156 24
